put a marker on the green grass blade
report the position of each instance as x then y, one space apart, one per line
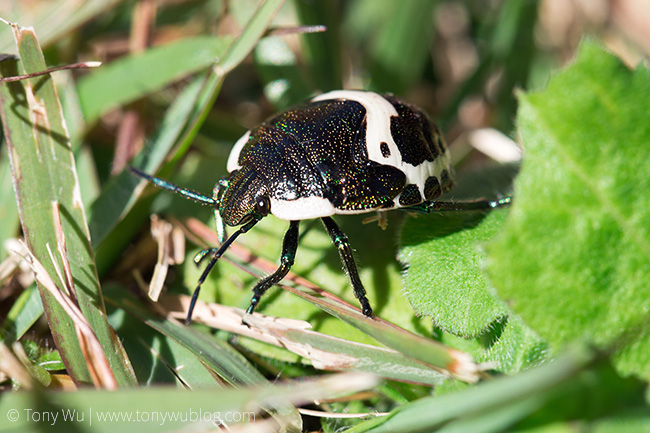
23 314
113 203
8 209
158 359
496 405
245 43
53 19
322 50
167 409
130 78
216 354
44 172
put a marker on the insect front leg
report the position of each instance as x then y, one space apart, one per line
289 247
218 252
217 192
340 239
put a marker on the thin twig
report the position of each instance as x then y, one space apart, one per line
80 65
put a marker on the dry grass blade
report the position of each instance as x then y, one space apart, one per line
98 366
171 251
13 368
13 266
323 351
424 350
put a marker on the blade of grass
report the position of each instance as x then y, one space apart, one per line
323 351
245 43
322 50
132 77
91 350
425 350
44 172
167 409
119 195
216 354
54 19
8 209
414 346
567 389
23 314
158 359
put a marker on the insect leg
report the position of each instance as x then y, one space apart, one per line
443 206
221 225
217 192
217 253
340 239
289 247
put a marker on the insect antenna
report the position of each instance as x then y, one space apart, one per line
161 183
218 252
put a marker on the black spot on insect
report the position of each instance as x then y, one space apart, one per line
385 151
409 133
410 195
432 188
446 181
431 135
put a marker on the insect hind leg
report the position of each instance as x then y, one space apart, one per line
340 239
447 206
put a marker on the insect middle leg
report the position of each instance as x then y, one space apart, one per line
289 247
340 239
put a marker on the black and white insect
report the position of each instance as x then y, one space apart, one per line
343 152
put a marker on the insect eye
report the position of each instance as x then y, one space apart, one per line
262 205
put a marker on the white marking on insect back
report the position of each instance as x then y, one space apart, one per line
378 114
233 158
302 208
307 208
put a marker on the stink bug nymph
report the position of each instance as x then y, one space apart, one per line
343 152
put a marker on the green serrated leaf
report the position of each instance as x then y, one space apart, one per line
445 279
575 256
